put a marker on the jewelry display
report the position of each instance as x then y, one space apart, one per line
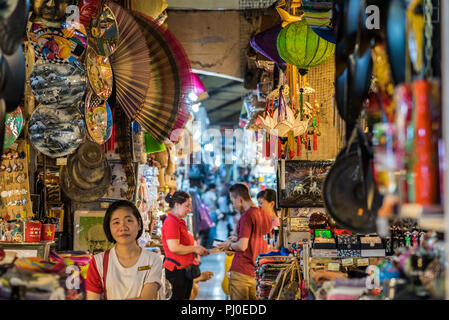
15 202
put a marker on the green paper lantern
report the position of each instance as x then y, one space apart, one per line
151 145
300 46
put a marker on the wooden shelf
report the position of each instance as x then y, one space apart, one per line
429 217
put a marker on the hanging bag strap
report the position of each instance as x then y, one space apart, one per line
105 271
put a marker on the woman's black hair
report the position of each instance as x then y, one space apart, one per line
268 194
177 197
121 204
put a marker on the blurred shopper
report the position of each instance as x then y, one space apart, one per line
181 264
249 243
210 199
224 205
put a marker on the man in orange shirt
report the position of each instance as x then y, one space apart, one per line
249 243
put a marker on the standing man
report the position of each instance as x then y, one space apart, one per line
249 243
210 198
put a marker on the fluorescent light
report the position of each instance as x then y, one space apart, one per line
196 107
209 147
193 97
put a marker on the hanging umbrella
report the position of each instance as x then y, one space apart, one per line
130 63
300 46
166 106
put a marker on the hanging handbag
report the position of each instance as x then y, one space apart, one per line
291 290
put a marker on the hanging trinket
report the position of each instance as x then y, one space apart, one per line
291 144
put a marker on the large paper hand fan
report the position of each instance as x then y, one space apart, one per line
166 107
130 63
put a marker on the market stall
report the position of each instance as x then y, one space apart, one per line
362 218
95 110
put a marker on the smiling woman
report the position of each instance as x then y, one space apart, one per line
126 272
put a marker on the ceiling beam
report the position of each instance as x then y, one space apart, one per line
219 120
228 85
224 105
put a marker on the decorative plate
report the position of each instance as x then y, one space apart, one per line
56 132
13 127
98 118
59 85
104 32
100 74
57 45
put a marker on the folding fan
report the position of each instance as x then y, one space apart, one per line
166 106
130 63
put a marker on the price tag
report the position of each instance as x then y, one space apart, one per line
363 262
333 266
61 161
347 262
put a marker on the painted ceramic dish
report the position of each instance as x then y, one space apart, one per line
58 85
98 118
56 132
13 127
104 33
57 45
100 74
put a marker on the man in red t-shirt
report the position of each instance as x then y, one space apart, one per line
249 243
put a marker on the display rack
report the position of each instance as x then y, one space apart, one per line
429 217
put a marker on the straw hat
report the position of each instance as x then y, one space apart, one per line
87 176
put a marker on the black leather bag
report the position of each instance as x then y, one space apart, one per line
193 271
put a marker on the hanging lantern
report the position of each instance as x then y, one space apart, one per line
299 45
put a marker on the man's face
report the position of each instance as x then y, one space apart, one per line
236 202
51 10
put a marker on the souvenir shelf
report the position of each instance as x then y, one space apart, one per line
15 188
29 249
429 217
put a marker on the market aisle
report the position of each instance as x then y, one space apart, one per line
211 290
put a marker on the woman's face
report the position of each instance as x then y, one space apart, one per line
182 209
265 205
124 226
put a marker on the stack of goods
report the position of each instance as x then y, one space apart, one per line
342 289
267 270
372 247
324 246
348 245
61 278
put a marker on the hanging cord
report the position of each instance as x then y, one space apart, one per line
428 33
